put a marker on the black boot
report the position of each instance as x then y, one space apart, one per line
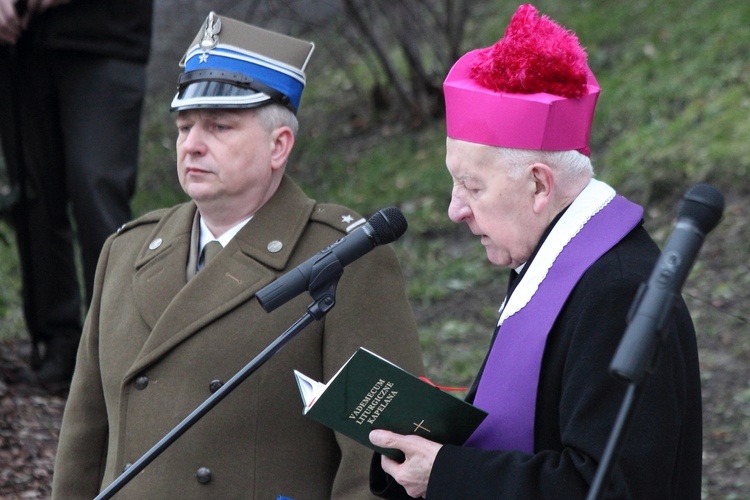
55 369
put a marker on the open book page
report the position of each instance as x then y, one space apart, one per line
309 389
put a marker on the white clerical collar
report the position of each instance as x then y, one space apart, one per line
590 201
224 239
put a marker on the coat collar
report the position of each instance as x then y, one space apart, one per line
175 308
274 231
270 237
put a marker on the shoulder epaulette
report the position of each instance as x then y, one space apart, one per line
339 217
148 218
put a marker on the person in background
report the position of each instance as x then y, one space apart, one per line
70 138
518 117
171 322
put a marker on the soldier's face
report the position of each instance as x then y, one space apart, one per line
225 158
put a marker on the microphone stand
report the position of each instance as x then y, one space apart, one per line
636 374
323 292
612 450
638 352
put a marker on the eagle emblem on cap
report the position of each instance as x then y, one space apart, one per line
211 29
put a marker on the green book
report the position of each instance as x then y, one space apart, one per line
369 392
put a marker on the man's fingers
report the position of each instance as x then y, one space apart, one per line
384 439
414 473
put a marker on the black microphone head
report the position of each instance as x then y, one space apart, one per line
388 224
703 204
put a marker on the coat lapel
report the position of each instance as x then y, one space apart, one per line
175 308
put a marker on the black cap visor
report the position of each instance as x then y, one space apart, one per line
222 89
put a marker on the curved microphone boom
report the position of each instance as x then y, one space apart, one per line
386 226
700 211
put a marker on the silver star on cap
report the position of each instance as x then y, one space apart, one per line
203 57
347 219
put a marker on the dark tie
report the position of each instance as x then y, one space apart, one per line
210 250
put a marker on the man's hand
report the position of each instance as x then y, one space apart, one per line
420 453
10 24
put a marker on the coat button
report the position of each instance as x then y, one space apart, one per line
141 382
155 244
203 475
275 246
215 385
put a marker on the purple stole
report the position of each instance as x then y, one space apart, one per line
508 387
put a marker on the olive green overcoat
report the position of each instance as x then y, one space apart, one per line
156 343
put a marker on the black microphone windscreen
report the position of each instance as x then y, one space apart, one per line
703 204
389 224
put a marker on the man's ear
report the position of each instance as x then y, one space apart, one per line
282 142
544 184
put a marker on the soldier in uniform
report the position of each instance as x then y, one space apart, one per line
166 327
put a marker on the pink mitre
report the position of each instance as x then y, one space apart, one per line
531 90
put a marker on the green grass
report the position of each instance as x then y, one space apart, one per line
405 169
157 176
11 317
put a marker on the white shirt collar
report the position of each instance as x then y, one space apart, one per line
224 239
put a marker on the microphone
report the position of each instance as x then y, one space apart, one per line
385 226
700 211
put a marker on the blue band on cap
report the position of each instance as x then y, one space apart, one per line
287 81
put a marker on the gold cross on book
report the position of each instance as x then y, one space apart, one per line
420 426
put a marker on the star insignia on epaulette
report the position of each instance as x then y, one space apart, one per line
346 219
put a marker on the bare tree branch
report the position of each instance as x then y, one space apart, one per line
406 46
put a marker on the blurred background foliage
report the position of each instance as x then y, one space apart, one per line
673 109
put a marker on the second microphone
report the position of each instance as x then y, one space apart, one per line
386 226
